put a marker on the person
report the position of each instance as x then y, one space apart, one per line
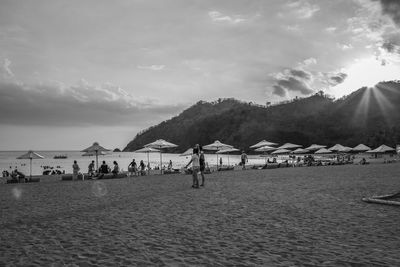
104 168
202 162
195 160
132 168
220 161
115 170
170 165
243 159
75 170
91 169
142 168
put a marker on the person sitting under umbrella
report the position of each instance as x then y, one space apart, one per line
115 170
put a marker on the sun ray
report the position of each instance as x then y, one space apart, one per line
360 114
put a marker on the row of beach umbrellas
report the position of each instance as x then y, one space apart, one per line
221 148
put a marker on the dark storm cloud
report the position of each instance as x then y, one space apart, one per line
79 105
391 8
337 79
296 85
278 90
300 73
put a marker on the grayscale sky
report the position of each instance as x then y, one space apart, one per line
77 71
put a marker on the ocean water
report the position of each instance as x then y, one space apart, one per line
9 161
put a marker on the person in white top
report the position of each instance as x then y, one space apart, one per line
195 160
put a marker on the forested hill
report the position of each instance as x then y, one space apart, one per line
369 115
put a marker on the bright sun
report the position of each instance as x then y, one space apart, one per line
366 72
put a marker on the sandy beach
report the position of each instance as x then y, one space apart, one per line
310 216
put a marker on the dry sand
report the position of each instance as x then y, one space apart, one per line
309 216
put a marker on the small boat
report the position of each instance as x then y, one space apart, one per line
60 157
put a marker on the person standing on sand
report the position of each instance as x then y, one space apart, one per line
115 170
202 162
91 169
75 170
132 168
243 159
195 160
142 168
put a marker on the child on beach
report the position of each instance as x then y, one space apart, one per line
132 168
195 167
243 159
142 168
75 170
91 169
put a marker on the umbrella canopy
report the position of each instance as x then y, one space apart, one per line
337 147
265 149
30 155
187 152
345 149
160 144
217 145
89 154
263 143
315 147
96 148
382 149
147 150
361 148
301 151
289 146
323 151
281 151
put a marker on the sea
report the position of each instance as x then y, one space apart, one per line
9 161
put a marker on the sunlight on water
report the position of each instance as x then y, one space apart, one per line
99 189
17 192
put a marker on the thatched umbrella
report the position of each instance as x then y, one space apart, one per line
30 155
263 143
147 150
160 144
97 149
217 145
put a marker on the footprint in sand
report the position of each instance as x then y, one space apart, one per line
99 189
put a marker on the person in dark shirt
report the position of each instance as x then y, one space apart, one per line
104 168
202 165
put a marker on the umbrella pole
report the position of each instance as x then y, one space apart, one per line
97 162
160 162
148 163
228 160
30 169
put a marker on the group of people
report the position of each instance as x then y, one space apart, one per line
198 166
104 169
133 168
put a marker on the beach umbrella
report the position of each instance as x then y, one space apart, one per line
345 149
323 151
30 155
382 149
160 144
361 148
147 150
89 154
263 143
281 151
217 145
301 151
315 147
289 146
187 152
265 149
96 149
227 150
337 147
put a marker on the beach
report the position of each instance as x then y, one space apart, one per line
310 216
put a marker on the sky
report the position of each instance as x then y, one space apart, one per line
75 72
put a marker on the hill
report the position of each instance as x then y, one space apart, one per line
368 115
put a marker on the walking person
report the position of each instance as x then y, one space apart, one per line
132 168
91 169
243 159
202 162
195 160
75 170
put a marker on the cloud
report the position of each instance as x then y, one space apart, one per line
303 9
152 67
345 47
55 104
278 90
391 8
219 17
5 70
300 73
293 84
336 79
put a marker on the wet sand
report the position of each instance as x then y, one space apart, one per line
310 216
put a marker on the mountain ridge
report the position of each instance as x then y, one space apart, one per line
368 115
